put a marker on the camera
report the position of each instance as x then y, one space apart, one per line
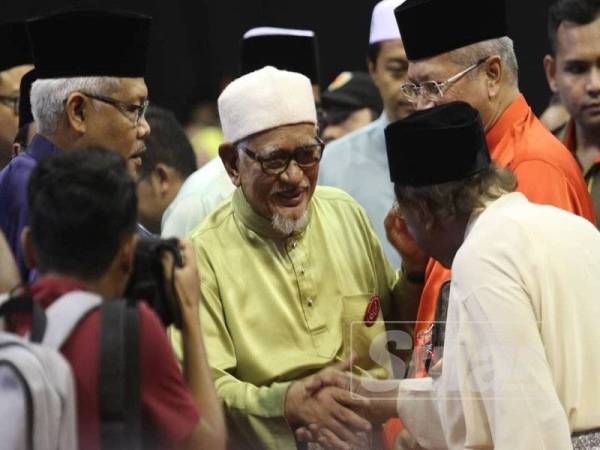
148 283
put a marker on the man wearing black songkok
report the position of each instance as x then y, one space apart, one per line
469 57
89 92
521 312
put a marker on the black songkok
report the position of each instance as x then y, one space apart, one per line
284 49
14 45
25 114
433 27
86 43
438 145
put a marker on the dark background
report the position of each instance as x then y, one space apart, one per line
195 43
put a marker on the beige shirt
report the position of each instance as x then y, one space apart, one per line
522 353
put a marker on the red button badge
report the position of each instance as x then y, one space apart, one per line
372 311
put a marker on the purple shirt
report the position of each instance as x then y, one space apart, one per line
14 179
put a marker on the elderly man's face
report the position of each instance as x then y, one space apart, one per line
114 126
470 88
286 195
10 81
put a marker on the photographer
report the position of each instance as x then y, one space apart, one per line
82 237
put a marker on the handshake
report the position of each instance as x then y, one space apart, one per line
337 409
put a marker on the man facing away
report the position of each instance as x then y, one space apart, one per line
82 238
474 61
168 161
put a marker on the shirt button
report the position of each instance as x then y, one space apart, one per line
294 244
310 302
301 270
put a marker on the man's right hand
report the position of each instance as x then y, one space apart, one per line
331 408
187 282
414 259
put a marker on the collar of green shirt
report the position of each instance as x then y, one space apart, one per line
254 221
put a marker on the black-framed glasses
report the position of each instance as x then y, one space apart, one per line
434 90
278 161
132 111
12 101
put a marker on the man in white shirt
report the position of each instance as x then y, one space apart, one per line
356 163
520 363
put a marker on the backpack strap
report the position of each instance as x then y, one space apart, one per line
120 392
65 314
25 304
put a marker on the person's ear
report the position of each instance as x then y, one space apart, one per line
76 109
27 246
230 157
16 149
550 70
494 73
126 255
371 67
163 175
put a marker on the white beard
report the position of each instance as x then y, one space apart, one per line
287 225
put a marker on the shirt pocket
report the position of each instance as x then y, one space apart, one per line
367 340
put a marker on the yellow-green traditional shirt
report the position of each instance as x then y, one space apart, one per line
275 310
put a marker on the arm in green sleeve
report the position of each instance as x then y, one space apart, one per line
253 412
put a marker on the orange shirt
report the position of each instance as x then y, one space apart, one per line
546 173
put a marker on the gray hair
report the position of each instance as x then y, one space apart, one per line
502 47
456 199
48 97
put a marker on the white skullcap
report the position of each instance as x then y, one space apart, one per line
265 99
275 31
383 21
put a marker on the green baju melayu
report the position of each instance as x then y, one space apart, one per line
275 310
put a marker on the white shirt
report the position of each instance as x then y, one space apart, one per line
199 195
522 352
357 163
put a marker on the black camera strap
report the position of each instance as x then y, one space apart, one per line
120 382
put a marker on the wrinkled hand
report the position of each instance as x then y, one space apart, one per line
327 440
413 257
367 388
332 409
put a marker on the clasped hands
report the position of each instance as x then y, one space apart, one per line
334 408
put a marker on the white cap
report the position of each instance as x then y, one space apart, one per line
274 31
265 99
383 21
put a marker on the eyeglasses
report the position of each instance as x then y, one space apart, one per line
279 160
132 111
434 90
11 100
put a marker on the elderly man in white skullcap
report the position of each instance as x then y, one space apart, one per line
293 275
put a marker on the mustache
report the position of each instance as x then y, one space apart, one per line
289 189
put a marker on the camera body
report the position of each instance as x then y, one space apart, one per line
148 282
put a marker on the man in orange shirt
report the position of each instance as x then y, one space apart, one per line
470 58
573 73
